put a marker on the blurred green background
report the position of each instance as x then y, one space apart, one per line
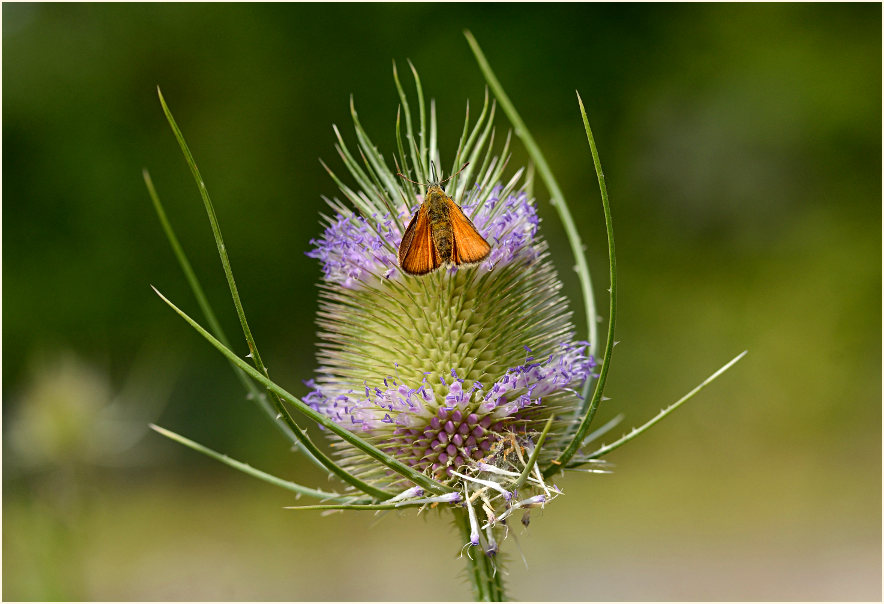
742 146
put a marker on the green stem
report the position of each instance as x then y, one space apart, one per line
486 579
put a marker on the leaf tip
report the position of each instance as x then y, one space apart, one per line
157 292
580 102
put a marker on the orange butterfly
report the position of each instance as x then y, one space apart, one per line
439 233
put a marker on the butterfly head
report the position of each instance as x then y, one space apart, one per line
434 181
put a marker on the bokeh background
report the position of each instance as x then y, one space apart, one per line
742 145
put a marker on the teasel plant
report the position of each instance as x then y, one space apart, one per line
466 390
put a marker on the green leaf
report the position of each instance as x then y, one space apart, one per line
254 393
422 113
281 411
357 506
409 130
216 232
247 469
395 465
586 421
663 412
555 191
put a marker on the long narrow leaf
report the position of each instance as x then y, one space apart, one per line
216 231
371 153
397 466
664 412
422 114
357 506
409 130
561 205
247 469
586 420
254 393
282 412
358 173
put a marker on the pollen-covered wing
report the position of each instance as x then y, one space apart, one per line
417 254
469 246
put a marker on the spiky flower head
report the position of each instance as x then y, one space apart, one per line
456 373
454 388
451 388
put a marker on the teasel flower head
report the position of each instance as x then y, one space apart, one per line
463 389
455 373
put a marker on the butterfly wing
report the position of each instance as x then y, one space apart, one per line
468 245
417 254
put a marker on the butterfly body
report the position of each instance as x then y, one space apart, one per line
440 233
439 216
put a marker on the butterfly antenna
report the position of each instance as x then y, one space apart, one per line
456 173
401 175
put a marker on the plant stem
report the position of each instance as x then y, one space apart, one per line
481 570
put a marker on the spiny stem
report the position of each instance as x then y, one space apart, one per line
356 506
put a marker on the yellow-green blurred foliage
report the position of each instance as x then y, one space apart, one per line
742 146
